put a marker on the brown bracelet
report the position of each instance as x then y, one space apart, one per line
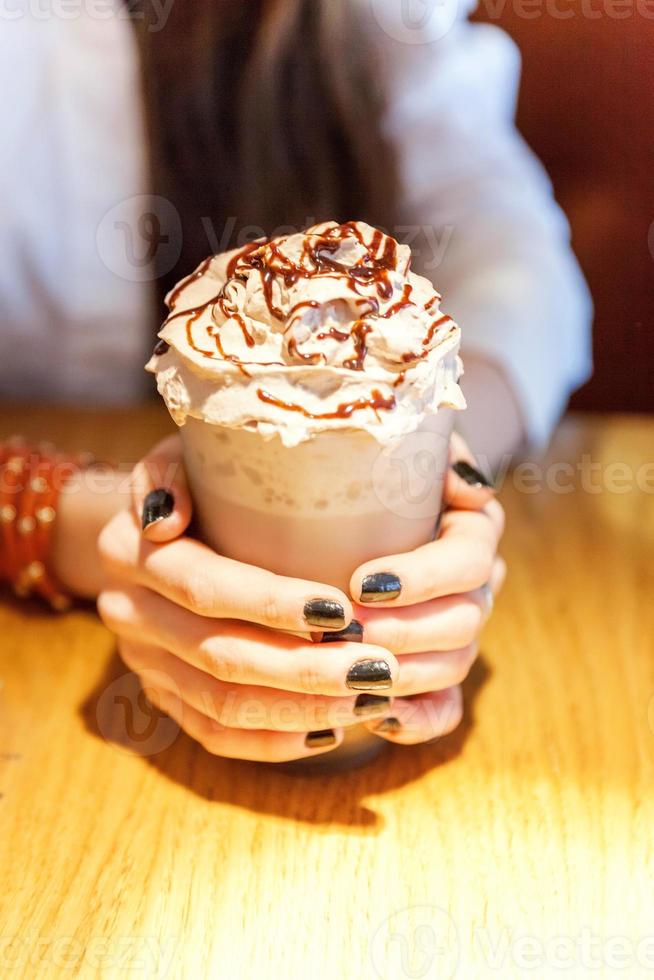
30 483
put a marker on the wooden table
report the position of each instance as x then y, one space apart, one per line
519 846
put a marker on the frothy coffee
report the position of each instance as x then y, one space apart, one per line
323 330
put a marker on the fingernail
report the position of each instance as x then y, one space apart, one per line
489 600
370 704
320 740
369 675
472 476
161 347
353 633
158 505
324 612
388 725
380 587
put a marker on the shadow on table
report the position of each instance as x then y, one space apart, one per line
118 712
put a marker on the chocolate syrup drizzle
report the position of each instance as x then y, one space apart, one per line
317 259
376 402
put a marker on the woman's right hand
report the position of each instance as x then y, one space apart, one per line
212 641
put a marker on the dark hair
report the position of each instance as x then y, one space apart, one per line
264 114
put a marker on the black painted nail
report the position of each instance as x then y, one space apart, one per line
471 475
324 612
158 505
320 740
369 675
370 704
380 587
353 633
388 725
161 347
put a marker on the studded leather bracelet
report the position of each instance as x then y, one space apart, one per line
31 478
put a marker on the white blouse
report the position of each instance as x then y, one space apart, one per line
75 295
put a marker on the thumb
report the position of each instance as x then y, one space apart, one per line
160 494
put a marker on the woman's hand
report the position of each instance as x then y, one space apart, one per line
429 606
207 628
213 628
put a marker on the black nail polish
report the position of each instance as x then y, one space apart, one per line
370 704
471 475
320 740
369 675
157 505
353 633
161 347
388 725
380 587
324 612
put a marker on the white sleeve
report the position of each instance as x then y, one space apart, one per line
485 225
74 322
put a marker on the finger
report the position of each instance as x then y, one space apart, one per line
498 576
424 672
422 718
492 587
467 485
460 560
495 513
248 706
160 495
251 746
234 743
239 653
439 624
195 577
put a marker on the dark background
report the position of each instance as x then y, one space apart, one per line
587 108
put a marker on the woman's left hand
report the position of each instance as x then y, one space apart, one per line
433 625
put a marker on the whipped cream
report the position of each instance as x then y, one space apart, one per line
326 329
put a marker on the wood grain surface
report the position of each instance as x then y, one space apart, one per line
521 845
